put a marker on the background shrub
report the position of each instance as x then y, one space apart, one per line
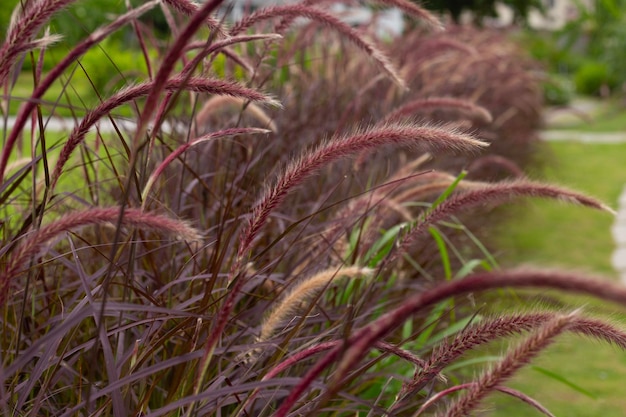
592 77
557 90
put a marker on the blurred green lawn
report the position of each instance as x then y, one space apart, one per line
559 234
546 233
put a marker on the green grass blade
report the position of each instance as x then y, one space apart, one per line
433 319
470 266
381 248
443 251
448 190
454 328
563 380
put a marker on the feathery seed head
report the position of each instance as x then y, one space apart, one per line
304 292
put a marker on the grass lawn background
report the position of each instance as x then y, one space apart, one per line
550 234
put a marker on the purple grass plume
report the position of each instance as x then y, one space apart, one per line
513 360
357 346
196 84
423 137
327 19
24 27
472 110
494 194
505 390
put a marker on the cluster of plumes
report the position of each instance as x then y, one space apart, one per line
461 63
287 178
327 87
446 72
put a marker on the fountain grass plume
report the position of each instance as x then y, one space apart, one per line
408 7
464 106
177 83
505 390
477 334
32 244
304 292
513 360
493 194
94 38
328 20
488 331
306 166
240 104
601 330
311 162
189 8
24 26
172 56
223 43
356 346
183 148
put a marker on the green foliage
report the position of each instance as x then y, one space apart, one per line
5 14
548 48
592 77
589 49
557 90
598 35
80 18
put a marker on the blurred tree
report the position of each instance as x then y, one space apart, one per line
598 34
483 8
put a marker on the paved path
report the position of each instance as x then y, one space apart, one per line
583 137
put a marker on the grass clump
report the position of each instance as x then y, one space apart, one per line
199 275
